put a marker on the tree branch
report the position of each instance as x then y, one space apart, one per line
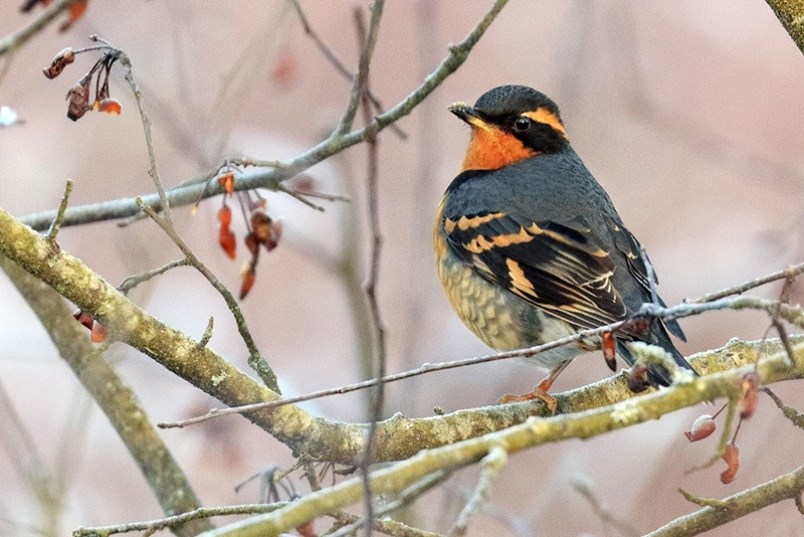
785 487
270 178
533 432
397 437
791 14
115 398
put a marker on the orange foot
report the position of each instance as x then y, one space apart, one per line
539 391
536 393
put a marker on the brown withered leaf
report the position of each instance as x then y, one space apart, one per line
732 458
65 57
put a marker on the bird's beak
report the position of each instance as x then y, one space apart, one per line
468 114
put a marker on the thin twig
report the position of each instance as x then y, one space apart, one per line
359 81
152 526
405 497
298 196
65 200
784 298
255 359
125 61
329 54
651 274
492 464
790 272
793 314
133 281
789 412
361 89
584 488
207 335
785 487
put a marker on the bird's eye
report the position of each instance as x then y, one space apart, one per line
522 124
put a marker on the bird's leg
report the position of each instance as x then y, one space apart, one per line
540 390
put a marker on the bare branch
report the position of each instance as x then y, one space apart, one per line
792 271
534 431
785 487
491 466
269 178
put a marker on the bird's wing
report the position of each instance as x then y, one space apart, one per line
561 268
629 247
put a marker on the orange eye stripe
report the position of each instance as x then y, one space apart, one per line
543 115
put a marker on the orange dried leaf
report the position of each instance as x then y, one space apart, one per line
78 99
248 277
225 216
610 350
98 334
702 427
110 106
228 242
227 182
732 458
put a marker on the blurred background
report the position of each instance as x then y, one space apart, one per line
689 113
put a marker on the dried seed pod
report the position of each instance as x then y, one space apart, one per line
703 426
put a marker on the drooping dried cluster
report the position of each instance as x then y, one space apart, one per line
262 230
78 97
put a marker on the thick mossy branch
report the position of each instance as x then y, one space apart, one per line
791 14
534 431
128 323
115 398
398 437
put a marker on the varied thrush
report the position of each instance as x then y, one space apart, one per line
529 246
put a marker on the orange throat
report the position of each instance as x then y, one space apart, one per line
491 149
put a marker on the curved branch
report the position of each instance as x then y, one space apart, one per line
397 438
785 487
533 432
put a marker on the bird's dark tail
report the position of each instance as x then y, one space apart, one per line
657 374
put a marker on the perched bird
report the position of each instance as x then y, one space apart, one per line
529 246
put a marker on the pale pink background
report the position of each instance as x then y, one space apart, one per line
689 113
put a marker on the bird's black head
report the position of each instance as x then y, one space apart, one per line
520 112
528 114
